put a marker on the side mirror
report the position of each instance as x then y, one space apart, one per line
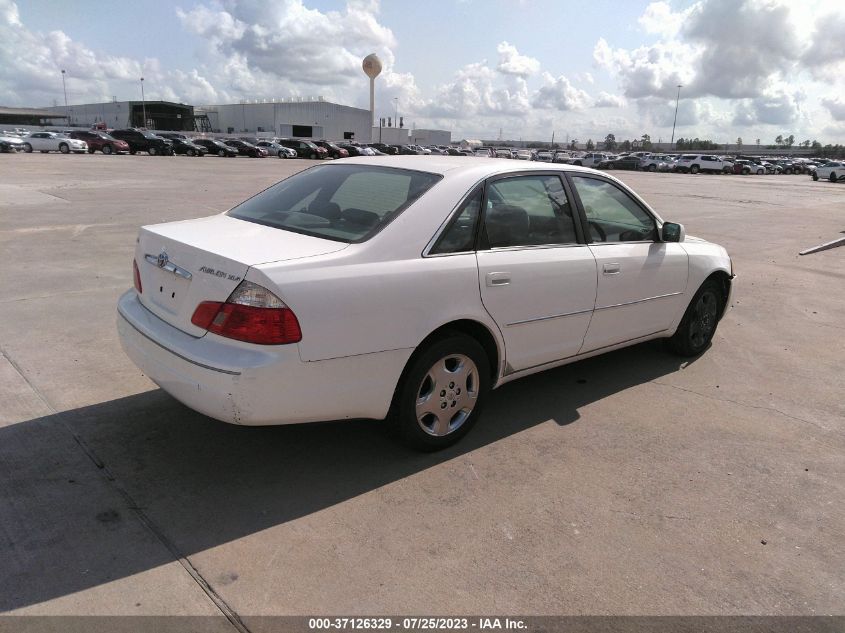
673 232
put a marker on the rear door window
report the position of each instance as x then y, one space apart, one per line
528 211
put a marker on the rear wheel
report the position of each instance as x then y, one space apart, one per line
832 176
132 150
191 152
27 148
90 150
313 156
694 169
64 149
652 167
441 393
815 176
107 149
700 320
727 170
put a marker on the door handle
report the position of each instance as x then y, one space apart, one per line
612 269
498 279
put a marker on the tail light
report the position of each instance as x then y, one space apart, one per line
136 276
252 314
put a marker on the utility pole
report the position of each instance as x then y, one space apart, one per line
64 88
677 101
143 104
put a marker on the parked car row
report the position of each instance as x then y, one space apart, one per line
134 140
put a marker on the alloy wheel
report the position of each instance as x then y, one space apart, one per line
447 395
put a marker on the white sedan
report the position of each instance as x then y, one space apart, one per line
408 287
53 142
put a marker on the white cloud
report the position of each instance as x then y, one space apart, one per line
660 19
512 63
607 100
836 107
558 93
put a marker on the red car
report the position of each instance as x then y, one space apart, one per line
101 141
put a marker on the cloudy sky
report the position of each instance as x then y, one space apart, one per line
583 69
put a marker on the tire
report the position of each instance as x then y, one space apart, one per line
727 170
832 176
694 169
698 326
191 152
451 371
64 149
152 151
313 156
747 171
107 149
221 153
27 148
132 151
652 167
281 154
760 172
90 150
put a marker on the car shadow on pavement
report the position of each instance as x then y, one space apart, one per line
90 495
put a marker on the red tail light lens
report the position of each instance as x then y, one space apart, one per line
252 314
136 276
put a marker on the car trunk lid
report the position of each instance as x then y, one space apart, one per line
182 264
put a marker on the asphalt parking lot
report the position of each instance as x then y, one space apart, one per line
630 483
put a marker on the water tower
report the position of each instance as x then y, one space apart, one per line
372 68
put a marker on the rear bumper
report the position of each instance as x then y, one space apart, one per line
255 385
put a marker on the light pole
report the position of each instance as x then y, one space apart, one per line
396 113
64 88
677 101
143 104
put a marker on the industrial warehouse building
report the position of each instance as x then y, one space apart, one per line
301 117
160 115
311 118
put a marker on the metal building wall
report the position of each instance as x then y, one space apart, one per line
114 114
277 118
431 137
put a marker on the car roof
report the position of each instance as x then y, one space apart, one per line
439 164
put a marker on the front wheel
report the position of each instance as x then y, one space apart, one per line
107 149
832 176
652 167
313 156
191 152
64 149
27 148
815 176
694 169
700 320
152 151
442 393
727 170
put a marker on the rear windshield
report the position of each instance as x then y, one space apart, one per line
345 203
